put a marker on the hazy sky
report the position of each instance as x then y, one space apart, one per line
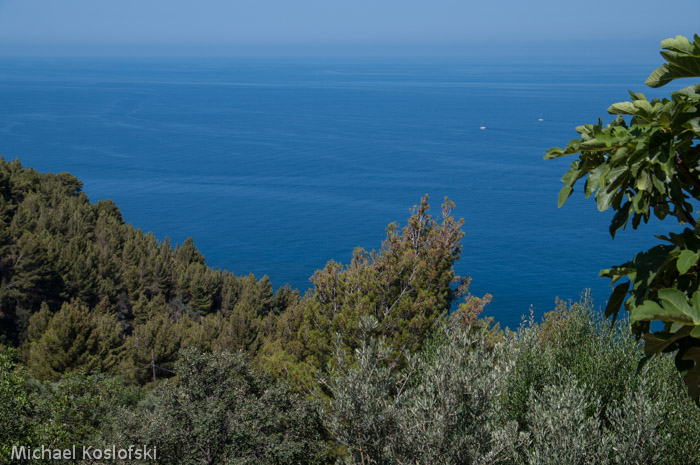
289 26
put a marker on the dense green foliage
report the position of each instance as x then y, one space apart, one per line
444 406
217 410
221 411
563 392
643 165
406 286
101 304
110 337
15 404
81 289
78 409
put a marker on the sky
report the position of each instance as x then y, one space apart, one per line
308 27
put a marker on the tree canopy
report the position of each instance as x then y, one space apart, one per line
643 164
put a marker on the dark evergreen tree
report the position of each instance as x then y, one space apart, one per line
407 286
73 338
55 246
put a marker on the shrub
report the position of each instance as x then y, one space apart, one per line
221 411
441 408
566 391
640 412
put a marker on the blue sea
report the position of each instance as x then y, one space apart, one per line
277 166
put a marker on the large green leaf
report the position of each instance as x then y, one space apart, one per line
656 343
683 61
686 260
620 219
676 302
592 182
674 308
554 152
622 108
604 198
616 299
680 44
650 310
643 181
564 194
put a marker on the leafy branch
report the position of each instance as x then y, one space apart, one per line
644 163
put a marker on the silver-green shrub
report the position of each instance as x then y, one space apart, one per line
635 428
443 407
643 416
562 430
566 391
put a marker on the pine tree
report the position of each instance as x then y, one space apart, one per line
74 338
407 286
153 346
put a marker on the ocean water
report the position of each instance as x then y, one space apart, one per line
277 166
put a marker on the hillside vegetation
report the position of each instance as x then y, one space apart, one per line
112 338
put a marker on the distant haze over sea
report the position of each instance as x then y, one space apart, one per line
277 166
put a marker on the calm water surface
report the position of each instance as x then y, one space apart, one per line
275 167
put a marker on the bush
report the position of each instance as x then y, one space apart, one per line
220 411
573 339
441 408
17 399
564 391
562 430
575 371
